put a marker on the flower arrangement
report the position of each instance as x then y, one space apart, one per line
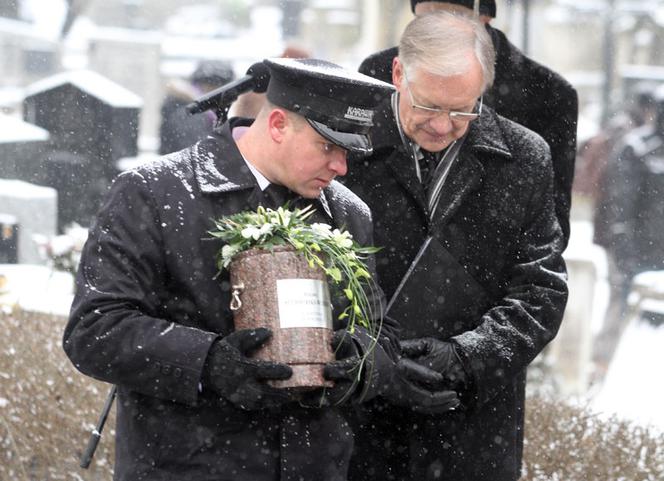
63 252
332 250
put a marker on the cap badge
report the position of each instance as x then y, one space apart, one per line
356 113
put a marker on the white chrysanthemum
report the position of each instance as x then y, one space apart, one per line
253 232
342 239
323 230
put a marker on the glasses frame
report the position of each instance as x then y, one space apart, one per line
454 115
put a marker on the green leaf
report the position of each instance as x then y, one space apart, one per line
334 273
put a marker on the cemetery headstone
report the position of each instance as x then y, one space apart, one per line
21 144
93 122
34 209
8 239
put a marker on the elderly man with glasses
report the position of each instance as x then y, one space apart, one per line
463 207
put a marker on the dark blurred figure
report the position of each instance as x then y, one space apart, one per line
595 152
523 91
178 128
629 217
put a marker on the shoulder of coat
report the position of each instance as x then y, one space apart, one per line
176 164
522 140
341 196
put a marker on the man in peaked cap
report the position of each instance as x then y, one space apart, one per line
151 313
523 91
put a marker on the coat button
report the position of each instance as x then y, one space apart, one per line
166 369
177 372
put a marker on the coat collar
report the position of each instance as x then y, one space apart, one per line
220 168
484 142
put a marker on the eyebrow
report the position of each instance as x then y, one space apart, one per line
436 106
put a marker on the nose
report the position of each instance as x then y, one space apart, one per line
441 124
339 163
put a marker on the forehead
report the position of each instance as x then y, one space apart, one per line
453 90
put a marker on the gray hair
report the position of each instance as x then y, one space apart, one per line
440 43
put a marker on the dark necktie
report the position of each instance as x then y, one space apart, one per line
428 163
276 196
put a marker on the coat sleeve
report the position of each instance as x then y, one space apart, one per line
513 332
115 333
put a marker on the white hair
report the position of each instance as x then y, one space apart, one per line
442 42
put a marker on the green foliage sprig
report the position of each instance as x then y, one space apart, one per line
333 250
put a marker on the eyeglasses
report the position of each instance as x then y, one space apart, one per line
432 112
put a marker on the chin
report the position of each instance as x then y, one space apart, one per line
434 146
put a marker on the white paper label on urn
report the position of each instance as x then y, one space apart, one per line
304 303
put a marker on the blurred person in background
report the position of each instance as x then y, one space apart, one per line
629 218
596 154
178 128
249 104
523 91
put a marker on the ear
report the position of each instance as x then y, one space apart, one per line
397 72
277 122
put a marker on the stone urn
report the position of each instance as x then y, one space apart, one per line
277 289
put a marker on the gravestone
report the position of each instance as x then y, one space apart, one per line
25 54
34 210
21 144
8 239
93 122
138 72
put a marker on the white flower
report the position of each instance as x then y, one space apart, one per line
342 239
284 216
253 232
323 230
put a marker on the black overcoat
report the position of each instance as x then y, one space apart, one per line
499 292
148 306
527 93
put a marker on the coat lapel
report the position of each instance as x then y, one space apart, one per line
401 164
464 178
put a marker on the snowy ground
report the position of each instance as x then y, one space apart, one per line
634 385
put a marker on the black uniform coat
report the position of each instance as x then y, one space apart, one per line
148 307
527 93
499 290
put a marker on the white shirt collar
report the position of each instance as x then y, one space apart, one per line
263 183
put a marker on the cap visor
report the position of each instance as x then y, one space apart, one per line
359 143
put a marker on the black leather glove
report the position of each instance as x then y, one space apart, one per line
237 378
401 381
441 356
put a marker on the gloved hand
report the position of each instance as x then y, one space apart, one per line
415 386
237 378
399 380
441 357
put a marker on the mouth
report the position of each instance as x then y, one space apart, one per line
322 183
